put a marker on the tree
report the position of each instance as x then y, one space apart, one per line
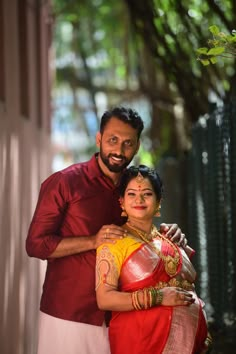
132 49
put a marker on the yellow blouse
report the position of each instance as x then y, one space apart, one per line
111 257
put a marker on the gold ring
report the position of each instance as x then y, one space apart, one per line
107 230
105 236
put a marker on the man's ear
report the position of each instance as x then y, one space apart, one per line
138 146
98 139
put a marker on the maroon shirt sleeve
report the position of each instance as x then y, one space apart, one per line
43 236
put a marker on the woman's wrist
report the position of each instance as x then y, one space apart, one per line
146 298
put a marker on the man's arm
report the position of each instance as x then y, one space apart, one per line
73 245
44 240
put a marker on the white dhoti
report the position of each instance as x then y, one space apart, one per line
58 336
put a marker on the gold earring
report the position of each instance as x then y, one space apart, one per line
123 213
157 212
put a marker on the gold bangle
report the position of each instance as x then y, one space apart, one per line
135 300
135 303
150 298
132 299
140 306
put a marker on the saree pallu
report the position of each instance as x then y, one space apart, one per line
161 329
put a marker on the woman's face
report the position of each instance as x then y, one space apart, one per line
140 200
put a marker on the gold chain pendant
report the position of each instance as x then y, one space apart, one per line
170 263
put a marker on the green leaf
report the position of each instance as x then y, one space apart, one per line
228 37
205 62
202 50
214 30
231 39
216 51
213 60
214 42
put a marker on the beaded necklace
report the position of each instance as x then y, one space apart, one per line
170 263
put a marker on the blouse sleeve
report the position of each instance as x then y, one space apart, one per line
108 265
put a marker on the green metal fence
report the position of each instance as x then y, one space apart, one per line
212 211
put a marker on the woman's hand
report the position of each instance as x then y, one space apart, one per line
173 296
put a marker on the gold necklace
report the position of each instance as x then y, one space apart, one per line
170 263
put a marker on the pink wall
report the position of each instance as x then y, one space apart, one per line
25 160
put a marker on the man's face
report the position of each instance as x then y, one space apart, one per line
118 144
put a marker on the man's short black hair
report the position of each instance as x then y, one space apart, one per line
126 115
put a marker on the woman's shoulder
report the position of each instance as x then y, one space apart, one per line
120 245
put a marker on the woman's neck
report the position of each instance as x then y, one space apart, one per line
142 225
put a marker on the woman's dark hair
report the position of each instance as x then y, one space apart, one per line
150 173
126 115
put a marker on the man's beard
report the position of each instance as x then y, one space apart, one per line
113 167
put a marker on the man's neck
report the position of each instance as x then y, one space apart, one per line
113 176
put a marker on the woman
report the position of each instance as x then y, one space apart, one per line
148 281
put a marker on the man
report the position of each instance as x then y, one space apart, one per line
78 210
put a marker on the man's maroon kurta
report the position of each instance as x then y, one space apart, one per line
76 201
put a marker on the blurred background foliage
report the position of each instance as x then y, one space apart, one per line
140 53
